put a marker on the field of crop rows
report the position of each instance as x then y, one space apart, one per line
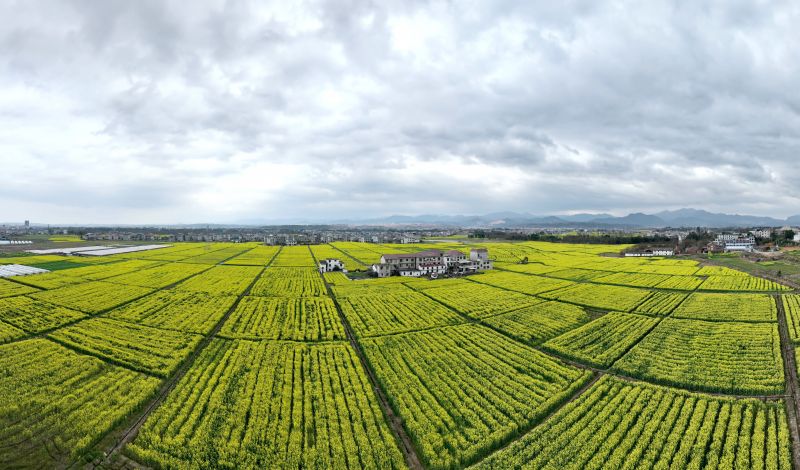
241 355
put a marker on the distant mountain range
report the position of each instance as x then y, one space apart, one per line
678 219
681 218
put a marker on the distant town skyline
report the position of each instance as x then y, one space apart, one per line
242 112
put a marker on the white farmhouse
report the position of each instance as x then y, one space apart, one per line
329 265
382 269
761 233
480 256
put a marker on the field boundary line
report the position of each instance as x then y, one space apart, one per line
342 252
792 399
477 321
661 319
130 432
790 373
780 280
596 375
393 420
19 283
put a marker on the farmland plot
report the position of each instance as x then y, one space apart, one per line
159 276
270 405
301 319
661 303
741 283
51 280
791 305
607 297
294 256
622 425
92 297
258 256
222 280
465 390
195 312
217 256
728 307
9 332
10 288
480 300
730 357
103 271
633 279
33 315
532 268
57 403
680 283
394 312
602 341
289 282
527 284
538 323
138 347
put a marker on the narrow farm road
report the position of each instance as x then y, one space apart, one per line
790 372
128 433
395 422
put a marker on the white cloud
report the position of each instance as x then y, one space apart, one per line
153 111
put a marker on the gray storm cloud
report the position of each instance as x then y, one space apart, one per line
164 111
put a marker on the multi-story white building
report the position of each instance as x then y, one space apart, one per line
432 263
480 256
761 233
740 244
330 264
727 237
453 256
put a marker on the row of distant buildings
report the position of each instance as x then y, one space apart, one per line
726 242
746 242
302 236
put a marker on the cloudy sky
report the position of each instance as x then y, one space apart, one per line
236 111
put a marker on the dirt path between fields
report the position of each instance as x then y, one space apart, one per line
578 393
395 422
127 434
790 371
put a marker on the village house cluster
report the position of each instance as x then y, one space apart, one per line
432 263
